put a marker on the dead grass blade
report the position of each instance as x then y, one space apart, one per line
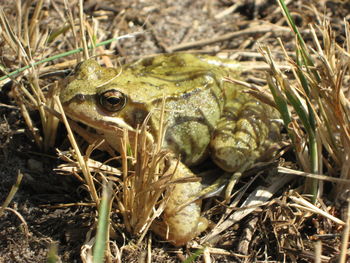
145 180
12 193
261 28
303 204
87 174
345 237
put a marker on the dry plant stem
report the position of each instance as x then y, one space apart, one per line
234 203
150 194
149 249
161 125
7 33
220 251
68 11
34 22
82 162
51 126
162 129
126 196
228 11
40 101
318 251
247 236
305 205
251 30
68 205
117 256
234 178
25 225
25 114
12 193
19 27
206 255
316 176
82 29
345 237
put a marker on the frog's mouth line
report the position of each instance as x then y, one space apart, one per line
102 123
106 124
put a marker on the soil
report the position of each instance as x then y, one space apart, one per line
167 26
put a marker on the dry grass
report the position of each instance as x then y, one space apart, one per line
315 107
142 195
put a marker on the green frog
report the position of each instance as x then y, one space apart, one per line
205 116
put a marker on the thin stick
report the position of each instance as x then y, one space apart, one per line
12 193
252 30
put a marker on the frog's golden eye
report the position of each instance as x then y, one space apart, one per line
112 100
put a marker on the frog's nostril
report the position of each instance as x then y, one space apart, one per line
80 97
77 67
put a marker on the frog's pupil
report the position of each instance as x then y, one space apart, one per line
113 100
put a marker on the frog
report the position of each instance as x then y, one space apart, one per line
205 117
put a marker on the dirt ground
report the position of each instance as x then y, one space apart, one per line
229 27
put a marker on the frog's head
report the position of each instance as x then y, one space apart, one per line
101 98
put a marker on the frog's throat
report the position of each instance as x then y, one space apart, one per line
118 124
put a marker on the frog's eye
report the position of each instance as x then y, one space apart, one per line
112 100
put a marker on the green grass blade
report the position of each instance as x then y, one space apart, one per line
292 23
194 256
280 101
102 225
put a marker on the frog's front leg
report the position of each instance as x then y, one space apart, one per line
180 223
244 133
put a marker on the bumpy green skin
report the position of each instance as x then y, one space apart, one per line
205 116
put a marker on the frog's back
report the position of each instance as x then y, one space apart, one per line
173 65
177 75
195 93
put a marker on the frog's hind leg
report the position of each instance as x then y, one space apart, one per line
244 133
181 220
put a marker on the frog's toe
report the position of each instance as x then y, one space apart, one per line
181 228
229 158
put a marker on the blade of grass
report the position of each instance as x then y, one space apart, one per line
81 160
194 256
102 235
52 256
